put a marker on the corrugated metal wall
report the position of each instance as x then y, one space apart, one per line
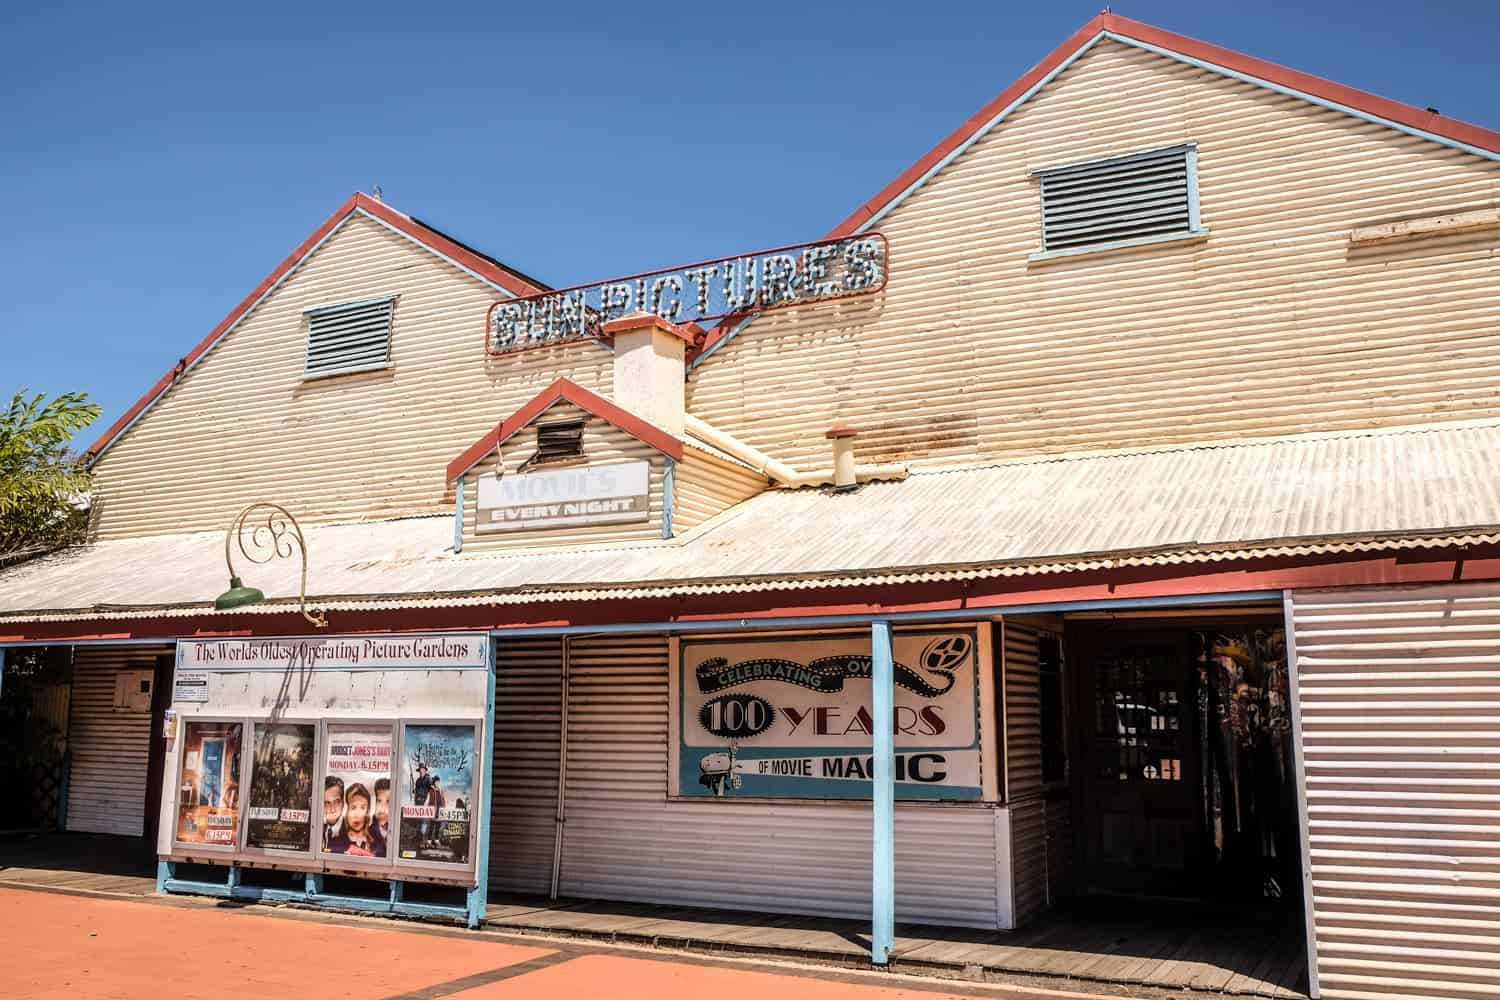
1023 771
624 840
368 445
528 725
1399 696
707 485
973 353
109 749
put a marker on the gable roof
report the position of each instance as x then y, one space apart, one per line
564 390
1227 62
1420 122
466 259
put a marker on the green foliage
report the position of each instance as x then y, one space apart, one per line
43 483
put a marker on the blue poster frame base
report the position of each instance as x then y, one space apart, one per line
471 914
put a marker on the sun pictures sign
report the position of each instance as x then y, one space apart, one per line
772 279
791 717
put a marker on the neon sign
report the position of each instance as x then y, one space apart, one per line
801 274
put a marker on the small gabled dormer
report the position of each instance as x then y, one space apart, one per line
571 467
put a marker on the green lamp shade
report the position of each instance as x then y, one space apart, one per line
238 595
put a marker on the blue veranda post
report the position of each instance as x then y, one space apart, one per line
883 777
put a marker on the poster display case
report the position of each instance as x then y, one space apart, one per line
355 787
279 809
440 784
346 755
208 786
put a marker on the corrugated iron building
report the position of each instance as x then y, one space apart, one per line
1176 396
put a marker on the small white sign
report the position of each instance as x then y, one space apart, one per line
576 496
190 686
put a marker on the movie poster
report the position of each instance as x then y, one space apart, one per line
437 794
279 813
357 790
208 796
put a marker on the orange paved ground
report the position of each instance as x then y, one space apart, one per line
59 946
612 977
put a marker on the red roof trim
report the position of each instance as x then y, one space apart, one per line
564 390
407 226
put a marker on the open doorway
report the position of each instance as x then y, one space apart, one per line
1185 782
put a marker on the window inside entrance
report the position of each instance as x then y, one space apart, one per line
1185 784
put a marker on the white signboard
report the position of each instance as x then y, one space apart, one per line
335 652
579 495
190 686
792 717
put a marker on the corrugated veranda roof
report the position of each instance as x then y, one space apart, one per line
1368 491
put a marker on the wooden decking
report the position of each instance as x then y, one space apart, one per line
1147 953
117 866
1143 953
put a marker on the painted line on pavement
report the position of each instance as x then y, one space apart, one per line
485 978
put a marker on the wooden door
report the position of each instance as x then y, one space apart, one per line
1138 754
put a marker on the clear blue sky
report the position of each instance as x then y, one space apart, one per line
156 163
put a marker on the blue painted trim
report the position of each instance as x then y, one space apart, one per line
166 871
258 894
191 887
1300 95
479 896
668 487
883 794
458 515
433 910
721 624
961 614
232 888
735 332
1190 160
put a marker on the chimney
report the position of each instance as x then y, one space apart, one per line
650 368
842 436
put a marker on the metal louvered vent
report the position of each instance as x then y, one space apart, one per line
1139 197
352 337
560 439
